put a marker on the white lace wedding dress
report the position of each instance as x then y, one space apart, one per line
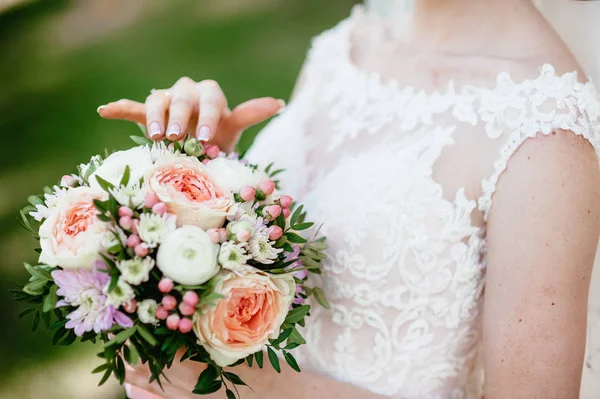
403 180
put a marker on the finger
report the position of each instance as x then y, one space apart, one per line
212 104
157 105
124 109
184 100
254 111
134 392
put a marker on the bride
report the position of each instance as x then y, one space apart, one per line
450 149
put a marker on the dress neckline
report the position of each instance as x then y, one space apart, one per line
546 75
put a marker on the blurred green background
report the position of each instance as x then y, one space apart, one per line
60 60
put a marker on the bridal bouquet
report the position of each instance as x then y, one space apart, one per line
163 247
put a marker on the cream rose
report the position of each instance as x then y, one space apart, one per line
188 256
252 311
233 175
185 186
112 169
72 235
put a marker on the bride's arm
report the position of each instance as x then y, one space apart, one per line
542 235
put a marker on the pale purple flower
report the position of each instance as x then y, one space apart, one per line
83 289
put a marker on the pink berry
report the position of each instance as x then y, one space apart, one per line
248 193
267 186
125 211
272 211
150 200
169 302
275 233
185 326
186 309
133 241
205 161
162 313
165 285
141 250
214 235
243 235
134 226
173 322
286 212
212 151
125 222
191 298
159 208
223 234
286 201
130 306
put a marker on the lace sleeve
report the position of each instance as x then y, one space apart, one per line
534 108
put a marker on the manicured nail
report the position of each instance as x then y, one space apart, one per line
281 106
154 129
100 108
173 131
204 133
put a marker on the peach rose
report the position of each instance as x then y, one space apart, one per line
72 235
183 184
252 311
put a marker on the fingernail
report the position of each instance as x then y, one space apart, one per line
127 387
154 129
204 133
100 108
281 106
173 131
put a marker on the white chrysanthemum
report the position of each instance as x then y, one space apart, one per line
232 256
242 210
113 237
261 248
160 150
137 270
131 195
146 311
120 295
154 228
50 200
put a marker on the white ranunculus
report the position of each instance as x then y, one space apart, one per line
184 185
260 302
188 256
72 235
113 167
233 175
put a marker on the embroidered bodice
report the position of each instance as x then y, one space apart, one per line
403 180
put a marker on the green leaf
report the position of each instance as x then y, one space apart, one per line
38 272
276 172
302 226
100 368
121 337
318 246
50 300
320 297
206 379
280 221
126 175
69 339
296 337
36 321
250 360
105 377
130 354
273 359
100 205
114 280
148 337
120 370
211 388
234 378
139 140
176 146
259 359
297 314
25 220
308 262
35 288
282 337
104 218
268 168
295 238
58 335
106 185
35 200
291 345
230 394
289 358
25 313
296 215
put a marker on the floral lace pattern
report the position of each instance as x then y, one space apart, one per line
406 271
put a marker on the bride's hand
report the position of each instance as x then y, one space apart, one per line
199 108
